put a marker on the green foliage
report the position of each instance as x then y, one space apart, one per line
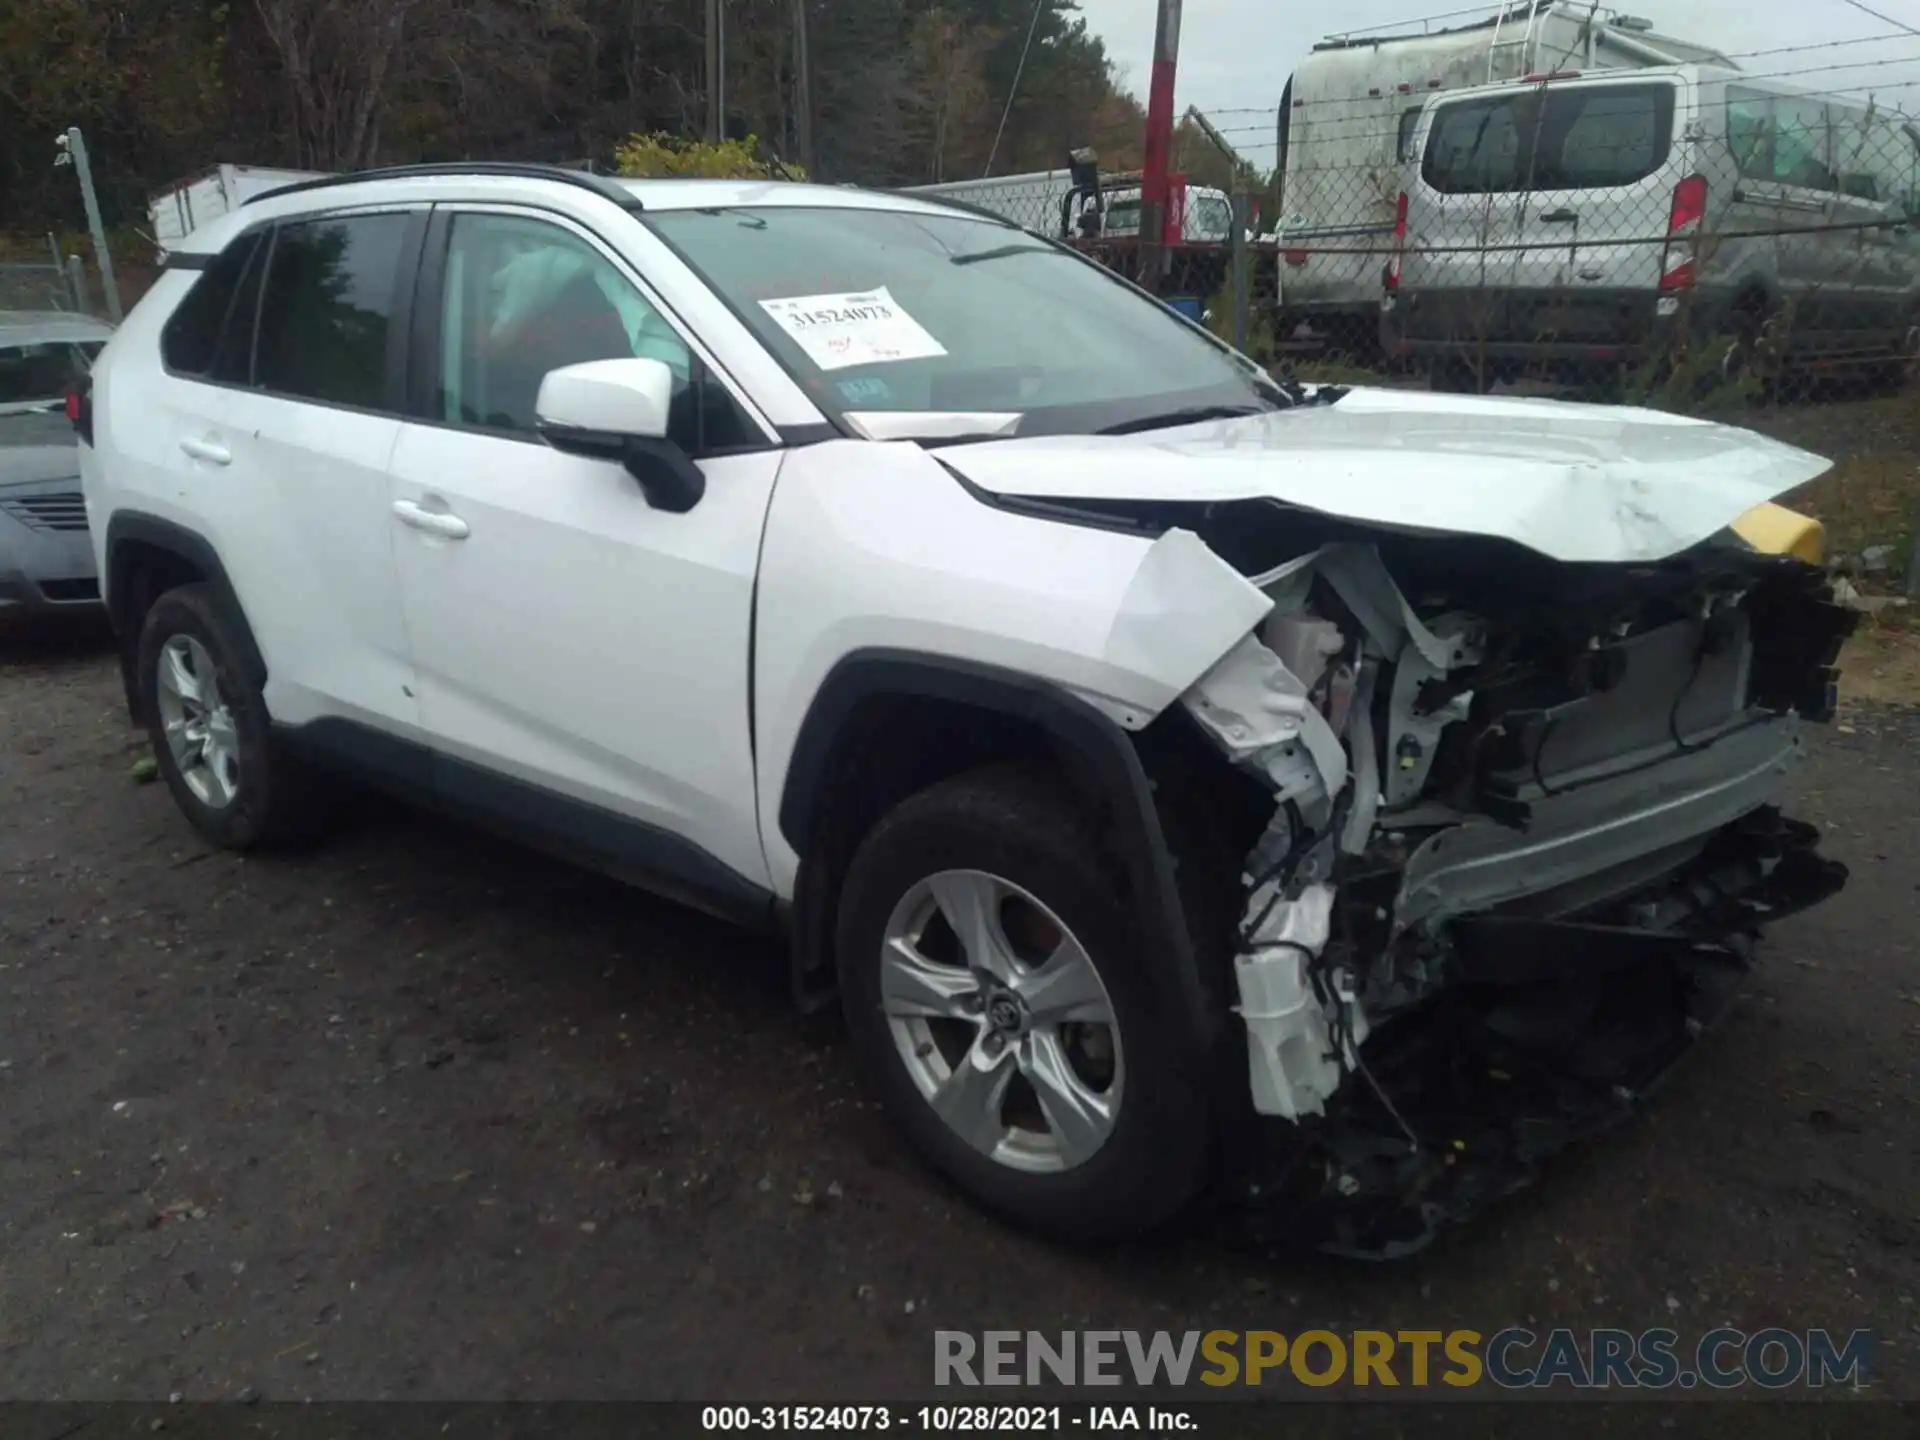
660 155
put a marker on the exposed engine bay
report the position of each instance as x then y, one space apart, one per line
1524 829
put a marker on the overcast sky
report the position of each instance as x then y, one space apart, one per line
1235 55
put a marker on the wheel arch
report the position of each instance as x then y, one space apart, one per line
887 723
146 556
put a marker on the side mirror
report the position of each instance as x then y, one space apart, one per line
619 410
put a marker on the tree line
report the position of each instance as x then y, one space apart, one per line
903 91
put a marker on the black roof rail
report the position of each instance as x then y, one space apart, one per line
600 185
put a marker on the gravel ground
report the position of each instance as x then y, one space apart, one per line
425 1116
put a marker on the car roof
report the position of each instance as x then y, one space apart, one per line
39 327
535 184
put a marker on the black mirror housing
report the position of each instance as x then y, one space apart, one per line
666 474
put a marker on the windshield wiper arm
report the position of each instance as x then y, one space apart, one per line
1000 252
1193 415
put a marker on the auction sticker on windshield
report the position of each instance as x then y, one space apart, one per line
838 331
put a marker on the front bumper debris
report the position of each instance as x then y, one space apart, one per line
1557 1030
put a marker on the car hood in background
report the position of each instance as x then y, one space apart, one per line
1575 482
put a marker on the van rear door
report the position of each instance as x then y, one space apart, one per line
1538 193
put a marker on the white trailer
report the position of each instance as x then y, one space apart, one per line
1036 200
1032 200
181 208
1350 109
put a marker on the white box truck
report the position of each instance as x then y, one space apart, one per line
176 211
1037 200
1349 111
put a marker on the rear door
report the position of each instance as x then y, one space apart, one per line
1469 167
281 435
1542 192
1783 147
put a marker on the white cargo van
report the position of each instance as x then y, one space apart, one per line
1590 221
182 207
1347 117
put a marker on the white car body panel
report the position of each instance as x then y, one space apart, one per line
876 546
582 640
298 516
1575 482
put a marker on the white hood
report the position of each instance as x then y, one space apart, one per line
1574 482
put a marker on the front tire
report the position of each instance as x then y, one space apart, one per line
1000 1004
210 732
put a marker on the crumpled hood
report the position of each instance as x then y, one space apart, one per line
1574 482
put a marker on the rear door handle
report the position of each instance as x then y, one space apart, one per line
211 451
1560 217
434 522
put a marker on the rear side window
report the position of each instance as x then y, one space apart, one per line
211 335
1575 138
328 308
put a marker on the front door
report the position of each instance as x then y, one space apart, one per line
583 658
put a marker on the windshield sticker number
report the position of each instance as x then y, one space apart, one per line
838 332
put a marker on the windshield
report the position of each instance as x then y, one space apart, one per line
893 311
39 373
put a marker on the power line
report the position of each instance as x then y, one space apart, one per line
1014 92
1883 19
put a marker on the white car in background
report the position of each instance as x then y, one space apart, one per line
1163 766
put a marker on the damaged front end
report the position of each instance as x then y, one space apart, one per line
1523 831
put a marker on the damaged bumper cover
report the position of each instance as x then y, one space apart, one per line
1506 837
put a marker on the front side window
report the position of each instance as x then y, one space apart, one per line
522 297
328 307
903 311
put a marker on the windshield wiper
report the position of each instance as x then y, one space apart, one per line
1193 415
1000 252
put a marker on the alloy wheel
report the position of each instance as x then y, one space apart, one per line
1002 1021
197 722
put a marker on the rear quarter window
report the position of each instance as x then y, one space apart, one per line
1571 138
210 335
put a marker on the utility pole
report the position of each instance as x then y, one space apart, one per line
1158 150
802 88
72 150
716 72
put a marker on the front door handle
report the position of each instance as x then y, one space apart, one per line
1560 217
434 522
211 451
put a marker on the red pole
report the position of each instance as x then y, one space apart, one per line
1158 150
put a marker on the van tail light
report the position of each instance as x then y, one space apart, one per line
1399 242
1684 221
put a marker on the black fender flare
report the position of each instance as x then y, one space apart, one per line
1098 754
138 527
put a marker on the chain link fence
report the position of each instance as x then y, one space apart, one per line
28 286
1687 238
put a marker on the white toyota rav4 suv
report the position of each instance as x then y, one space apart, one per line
1180 778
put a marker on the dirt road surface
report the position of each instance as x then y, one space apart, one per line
426 1116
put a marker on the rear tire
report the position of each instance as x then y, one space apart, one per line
1004 844
210 731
